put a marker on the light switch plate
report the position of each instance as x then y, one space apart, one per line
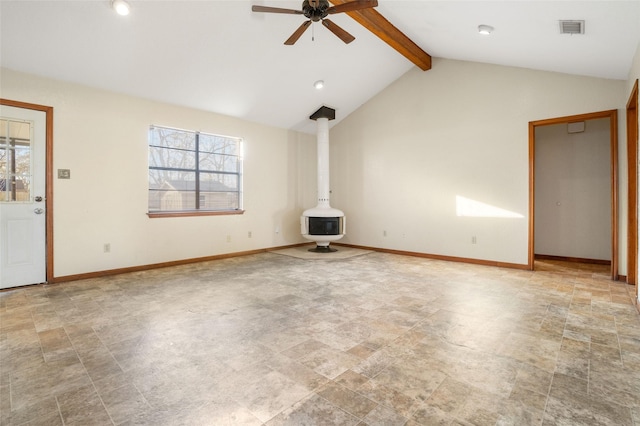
64 174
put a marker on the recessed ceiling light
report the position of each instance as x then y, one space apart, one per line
485 29
319 84
121 7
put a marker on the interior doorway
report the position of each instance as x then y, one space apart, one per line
611 116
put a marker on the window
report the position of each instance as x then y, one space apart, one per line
15 160
194 172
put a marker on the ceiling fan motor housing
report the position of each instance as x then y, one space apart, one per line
315 10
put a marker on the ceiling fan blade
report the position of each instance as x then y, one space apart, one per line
296 35
342 34
256 8
352 5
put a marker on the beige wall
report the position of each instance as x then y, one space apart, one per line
401 162
102 138
634 74
402 165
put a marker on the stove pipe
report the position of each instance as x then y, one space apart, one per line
323 223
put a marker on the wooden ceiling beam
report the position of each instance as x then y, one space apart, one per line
372 20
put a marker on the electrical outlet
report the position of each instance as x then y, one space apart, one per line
474 240
384 233
249 234
107 247
228 238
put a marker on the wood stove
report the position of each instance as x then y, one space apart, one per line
323 223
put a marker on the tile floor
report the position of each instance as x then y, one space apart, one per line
376 339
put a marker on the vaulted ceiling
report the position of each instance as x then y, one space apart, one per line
219 56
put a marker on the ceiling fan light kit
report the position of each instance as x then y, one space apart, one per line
319 84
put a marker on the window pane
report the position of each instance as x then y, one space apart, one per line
222 163
169 180
22 176
231 164
218 182
4 155
171 158
219 201
15 160
210 162
218 144
172 138
161 200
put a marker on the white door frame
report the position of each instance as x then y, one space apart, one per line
48 177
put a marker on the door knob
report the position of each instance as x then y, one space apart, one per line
38 199
38 211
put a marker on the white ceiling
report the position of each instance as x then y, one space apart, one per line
219 56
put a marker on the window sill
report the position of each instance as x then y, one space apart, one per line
155 215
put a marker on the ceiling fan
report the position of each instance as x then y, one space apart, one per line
318 10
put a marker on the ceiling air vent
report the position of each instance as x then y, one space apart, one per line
571 27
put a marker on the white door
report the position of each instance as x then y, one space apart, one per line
22 196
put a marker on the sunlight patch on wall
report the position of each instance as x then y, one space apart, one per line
466 207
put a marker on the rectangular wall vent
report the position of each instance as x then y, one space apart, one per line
576 127
571 27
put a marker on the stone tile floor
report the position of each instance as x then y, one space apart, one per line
376 339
